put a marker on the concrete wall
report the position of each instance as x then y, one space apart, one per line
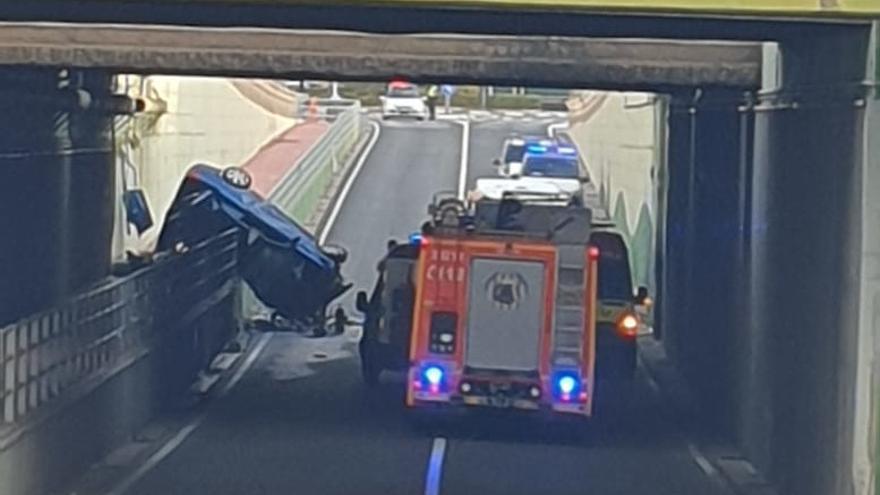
189 119
620 140
57 188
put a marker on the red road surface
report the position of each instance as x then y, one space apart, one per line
269 164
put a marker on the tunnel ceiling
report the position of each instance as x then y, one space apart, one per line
599 63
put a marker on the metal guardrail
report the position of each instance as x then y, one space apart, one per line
301 189
326 108
47 354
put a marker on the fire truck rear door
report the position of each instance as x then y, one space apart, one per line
505 313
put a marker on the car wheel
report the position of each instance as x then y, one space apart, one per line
370 366
237 177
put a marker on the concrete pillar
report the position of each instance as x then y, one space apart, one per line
679 166
708 350
703 239
805 266
56 189
865 429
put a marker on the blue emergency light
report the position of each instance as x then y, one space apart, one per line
536 149
415 239
566 386
433 375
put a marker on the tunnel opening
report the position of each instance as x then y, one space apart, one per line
757 199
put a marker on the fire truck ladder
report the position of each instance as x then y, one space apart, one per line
569 313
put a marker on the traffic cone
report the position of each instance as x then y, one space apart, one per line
313 109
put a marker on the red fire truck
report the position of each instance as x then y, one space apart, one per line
493 304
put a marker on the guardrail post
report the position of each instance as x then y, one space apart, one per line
8 346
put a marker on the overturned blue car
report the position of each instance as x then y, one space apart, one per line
282 262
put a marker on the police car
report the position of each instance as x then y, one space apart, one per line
554 166
513 151
403 99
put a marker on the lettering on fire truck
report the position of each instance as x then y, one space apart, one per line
446 265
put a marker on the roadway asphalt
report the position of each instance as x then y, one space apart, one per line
300 421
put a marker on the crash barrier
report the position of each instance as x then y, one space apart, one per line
81 378
46 354
326 108
299 192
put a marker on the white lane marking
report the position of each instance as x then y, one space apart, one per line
435 467
703 463
252 357
701 460
463 164
174 442
325 231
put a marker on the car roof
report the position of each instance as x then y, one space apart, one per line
551 154
260 213
527 140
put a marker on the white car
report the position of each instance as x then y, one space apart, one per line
403 99
513 152
561 169
549 172
496 188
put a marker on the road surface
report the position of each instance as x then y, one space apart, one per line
300 421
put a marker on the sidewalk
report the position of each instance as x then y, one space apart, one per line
277 157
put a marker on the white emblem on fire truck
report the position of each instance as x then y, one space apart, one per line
506 290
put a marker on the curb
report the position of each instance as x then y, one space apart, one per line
732 469
324 215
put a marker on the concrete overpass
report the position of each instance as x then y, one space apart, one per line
769 235
300 54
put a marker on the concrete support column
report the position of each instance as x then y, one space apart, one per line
712 291
866 425
679 167
703 236
805 267
56 188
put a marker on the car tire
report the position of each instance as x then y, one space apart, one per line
237 177
371 369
